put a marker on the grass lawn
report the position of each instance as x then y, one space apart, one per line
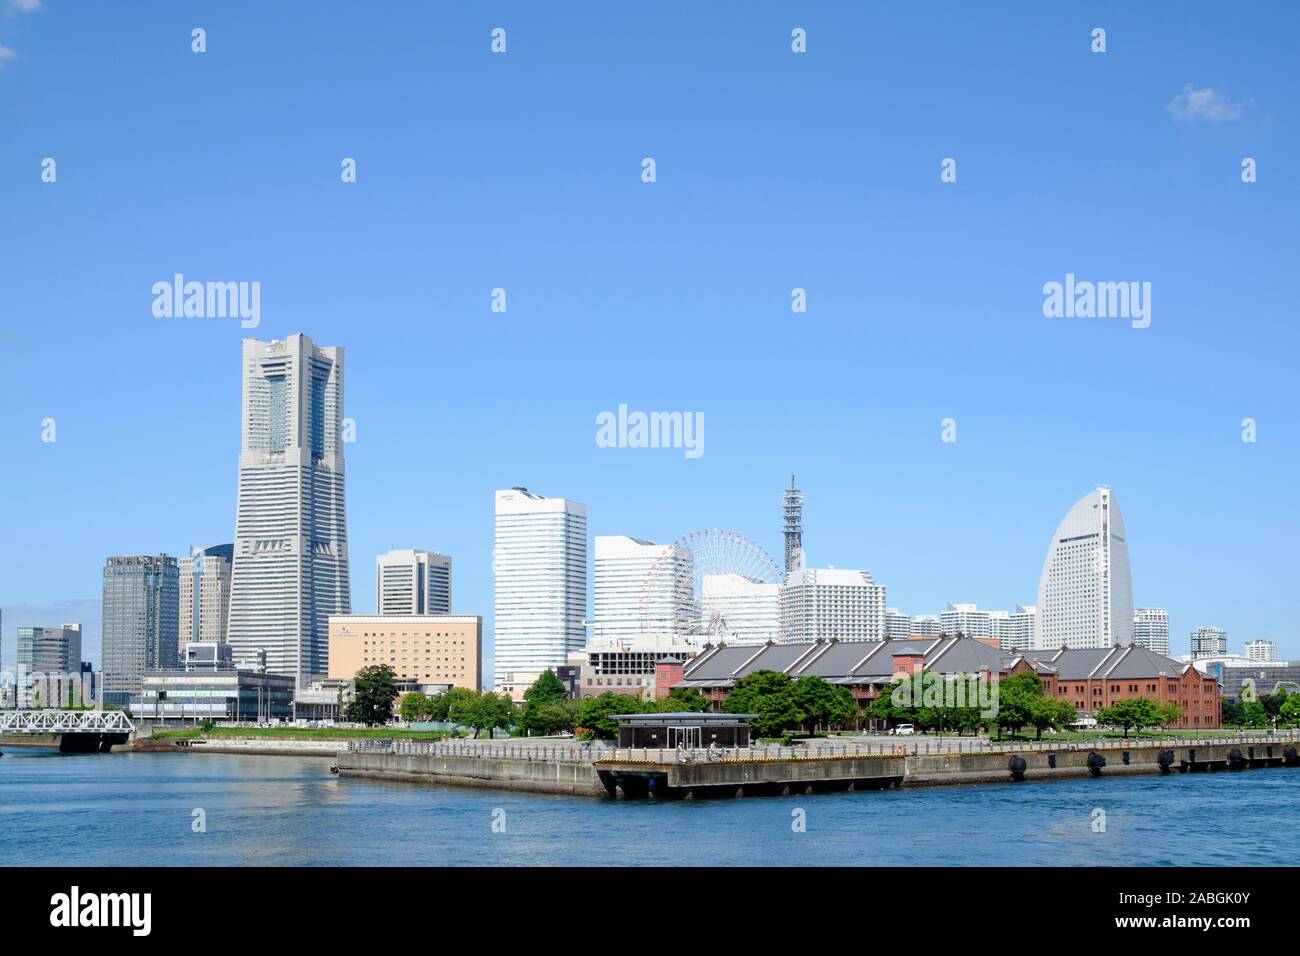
305 733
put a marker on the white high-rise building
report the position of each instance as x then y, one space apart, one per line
1151 629
1261 651
1019 635
1085 594
1000 627
1209 641
965 619
641 587
413 582
739 610
290 570
823 603
204 595
540 595
926 625
898 626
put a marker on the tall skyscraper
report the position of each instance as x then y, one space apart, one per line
641 587
1085 594
1151 629
290 569
819 604
793 510
46 651
141 621
1209 642
204 595
413 582
540 588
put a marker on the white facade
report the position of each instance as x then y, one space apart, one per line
898 626
965 619
290 570
1020 627
1209 641
1261 651
820 604
739 610
540 589
1151 629
640 587
413 582
926 625
1085 593
204 595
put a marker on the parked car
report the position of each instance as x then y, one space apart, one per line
904 729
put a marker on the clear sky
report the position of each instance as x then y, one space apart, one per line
775 170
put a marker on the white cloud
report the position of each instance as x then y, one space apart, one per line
1208 104
6 55
24 6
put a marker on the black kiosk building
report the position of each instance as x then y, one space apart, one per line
684 729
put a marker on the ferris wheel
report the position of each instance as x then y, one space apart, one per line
686 589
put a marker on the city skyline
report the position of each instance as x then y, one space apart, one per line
673 295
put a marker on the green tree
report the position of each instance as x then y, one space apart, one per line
683 699
1290 712
1015 701
1135 713
546 709
547 689
412 706
593 718
440 708
373 690
768 696
822 704
886 708
1045 712
1273 704
486 711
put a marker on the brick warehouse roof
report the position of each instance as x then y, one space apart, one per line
872 662
843 662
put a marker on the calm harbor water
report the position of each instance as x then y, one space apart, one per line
137 809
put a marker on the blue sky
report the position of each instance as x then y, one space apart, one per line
775 170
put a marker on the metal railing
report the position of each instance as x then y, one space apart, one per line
822 749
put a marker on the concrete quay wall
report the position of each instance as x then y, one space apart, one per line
267 746
768 776
571 777
1044 764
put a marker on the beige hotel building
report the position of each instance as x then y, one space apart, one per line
430 649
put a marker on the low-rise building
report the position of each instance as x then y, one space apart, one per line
428 649
219 695
629 666
1092 678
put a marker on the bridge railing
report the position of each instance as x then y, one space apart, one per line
65 722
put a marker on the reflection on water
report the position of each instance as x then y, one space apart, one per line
138 808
